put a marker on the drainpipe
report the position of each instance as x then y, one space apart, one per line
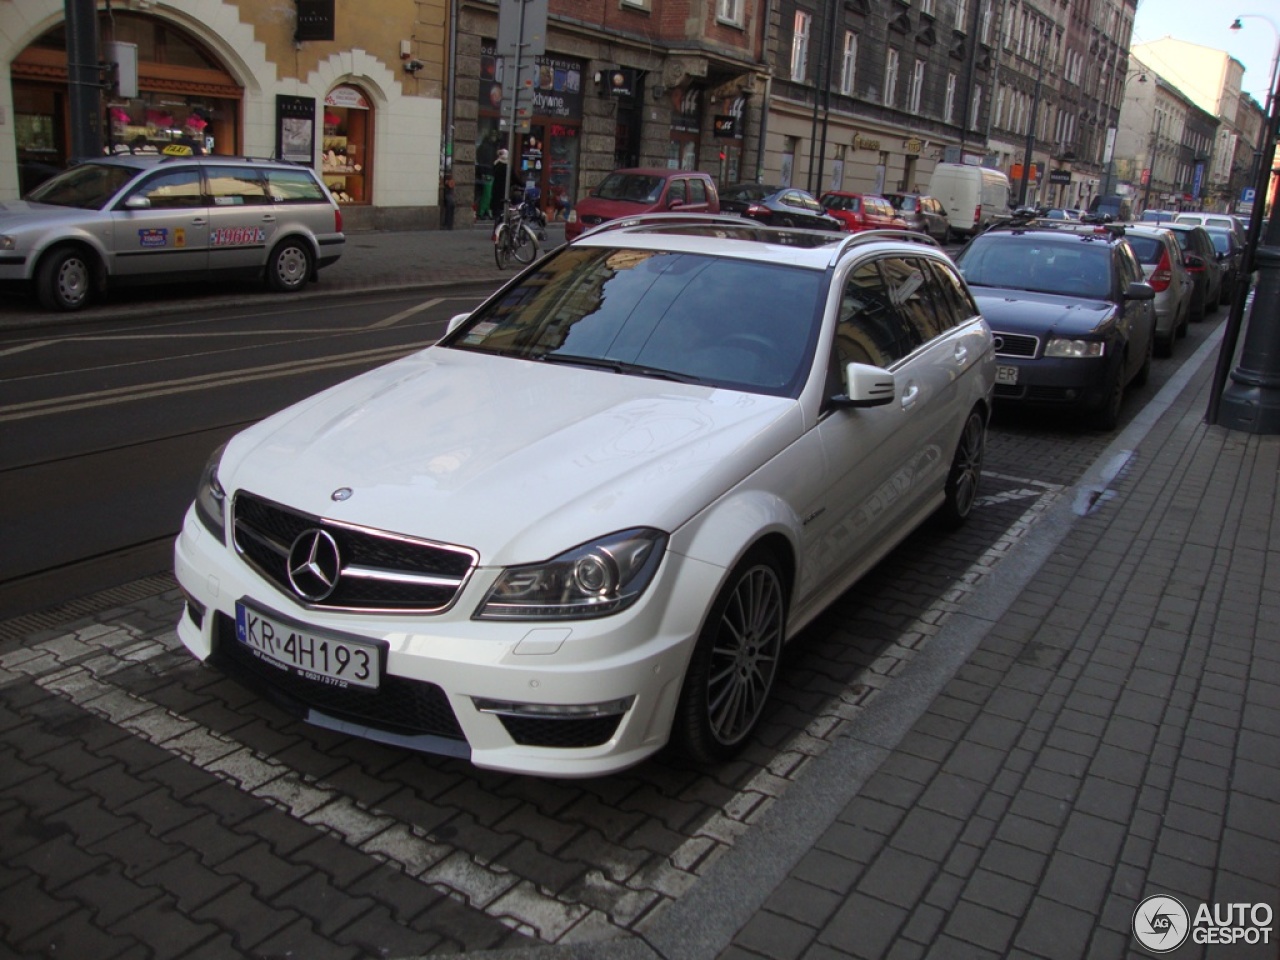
765 106
453 85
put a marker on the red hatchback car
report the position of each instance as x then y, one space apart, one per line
862 211
626 193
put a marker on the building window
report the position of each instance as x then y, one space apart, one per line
962 15
800 47
730 11
849 65
984 30
975 108
926 7
890 77
949 107
917 87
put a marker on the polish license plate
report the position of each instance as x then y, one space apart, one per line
318 657
1006 374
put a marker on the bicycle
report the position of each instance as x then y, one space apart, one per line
513 238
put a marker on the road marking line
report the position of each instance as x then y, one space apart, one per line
404 314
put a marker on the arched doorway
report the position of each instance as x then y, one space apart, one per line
184 95
346 160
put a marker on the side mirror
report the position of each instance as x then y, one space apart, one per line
674 202
455 322
868 387
1138 290
137 202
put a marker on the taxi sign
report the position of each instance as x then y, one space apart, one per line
177 150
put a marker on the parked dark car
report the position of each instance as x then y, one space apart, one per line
777 206
922 213
1201 259
636 190
862 211
1108 208
1073 316
1230 257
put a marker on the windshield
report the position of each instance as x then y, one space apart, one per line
833 201
1073 267
678 316
87 186
635 187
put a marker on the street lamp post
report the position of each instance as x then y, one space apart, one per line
1151 167
1251 402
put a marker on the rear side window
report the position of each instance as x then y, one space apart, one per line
871 329
677 191
236 186
917 296
293 186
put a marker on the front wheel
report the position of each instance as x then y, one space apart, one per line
290 267
961 491
1107 416
734 663
64 280
526 245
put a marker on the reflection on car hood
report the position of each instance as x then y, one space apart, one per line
15 214
517 459
1037 314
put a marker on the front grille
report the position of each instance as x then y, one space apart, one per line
379 570
399 705
562 732
1016 345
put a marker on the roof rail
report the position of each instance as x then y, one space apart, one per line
871 236
671 219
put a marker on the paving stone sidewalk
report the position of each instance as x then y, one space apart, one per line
1115 735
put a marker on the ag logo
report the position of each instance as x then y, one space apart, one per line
1161 924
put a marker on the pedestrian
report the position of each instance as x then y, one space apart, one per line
449 201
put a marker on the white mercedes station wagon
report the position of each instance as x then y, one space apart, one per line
585 523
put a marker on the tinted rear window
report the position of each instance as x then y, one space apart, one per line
1147 249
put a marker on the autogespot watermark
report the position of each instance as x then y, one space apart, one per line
1162 924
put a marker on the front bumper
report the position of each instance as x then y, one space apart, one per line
456 686
1066 383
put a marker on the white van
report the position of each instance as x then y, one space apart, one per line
973 196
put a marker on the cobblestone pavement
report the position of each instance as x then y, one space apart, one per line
992 746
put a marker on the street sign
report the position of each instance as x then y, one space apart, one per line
522 28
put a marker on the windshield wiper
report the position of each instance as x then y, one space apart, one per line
618 366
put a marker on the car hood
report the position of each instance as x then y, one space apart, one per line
1038 314
517 459
16 214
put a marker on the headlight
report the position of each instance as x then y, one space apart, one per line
1058 347
593 580
211 498
8 243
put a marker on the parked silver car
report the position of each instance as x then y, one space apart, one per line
155 219
1161 259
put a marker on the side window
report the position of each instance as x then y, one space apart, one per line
1130 270
236 186
677 191
869 329
953 302
293 186
172 190
912 292
697 191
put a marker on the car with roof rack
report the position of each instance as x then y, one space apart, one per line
148 218
1071 310
585 523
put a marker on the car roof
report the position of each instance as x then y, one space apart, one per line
726 235
143 161
663 173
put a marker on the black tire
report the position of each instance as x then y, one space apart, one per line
734 663
966 471
1107 416
1197 306
289 267
501 250
526 245
1144 372
64 280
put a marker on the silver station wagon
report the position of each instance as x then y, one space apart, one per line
158 219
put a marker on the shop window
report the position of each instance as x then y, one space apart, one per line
346 161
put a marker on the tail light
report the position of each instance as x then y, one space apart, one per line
1163 273
755 210
337 220
977 214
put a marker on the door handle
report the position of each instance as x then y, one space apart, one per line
199 221
268 218
910 395
962 353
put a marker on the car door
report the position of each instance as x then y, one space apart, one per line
1139 315
161 227
242 217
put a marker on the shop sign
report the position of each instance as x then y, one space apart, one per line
913 146
296 128
348 97
862 143
621 82
552 85
315 20
726 127
1059 176
688 117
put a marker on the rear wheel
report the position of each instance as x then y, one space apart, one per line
64 280
966 471
734 663
526 245
289 267
501 248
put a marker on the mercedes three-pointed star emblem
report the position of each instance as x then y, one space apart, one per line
314 565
